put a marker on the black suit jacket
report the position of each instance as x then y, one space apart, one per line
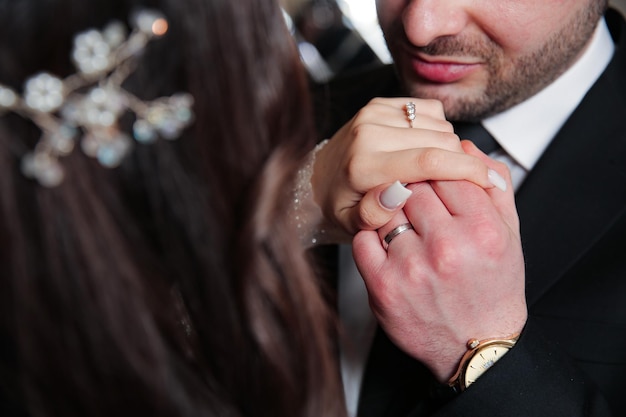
571 358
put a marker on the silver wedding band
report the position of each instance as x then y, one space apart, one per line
395 232
410 112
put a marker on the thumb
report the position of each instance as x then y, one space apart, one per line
379 205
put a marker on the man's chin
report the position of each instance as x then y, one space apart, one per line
459 103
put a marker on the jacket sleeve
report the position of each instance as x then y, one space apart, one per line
533 379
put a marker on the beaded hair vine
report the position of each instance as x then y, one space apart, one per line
84 108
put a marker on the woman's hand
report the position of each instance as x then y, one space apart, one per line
357 175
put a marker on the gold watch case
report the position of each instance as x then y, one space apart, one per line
480 356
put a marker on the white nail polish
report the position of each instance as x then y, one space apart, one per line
496 179
394 195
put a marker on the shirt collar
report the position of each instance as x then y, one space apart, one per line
525 130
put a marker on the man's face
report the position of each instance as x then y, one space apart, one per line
480 57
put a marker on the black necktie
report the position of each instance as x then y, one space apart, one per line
477 134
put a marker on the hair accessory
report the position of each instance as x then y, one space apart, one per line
85 107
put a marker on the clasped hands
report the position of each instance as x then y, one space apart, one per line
459 273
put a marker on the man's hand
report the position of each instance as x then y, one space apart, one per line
458 275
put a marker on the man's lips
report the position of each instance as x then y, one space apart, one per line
442 71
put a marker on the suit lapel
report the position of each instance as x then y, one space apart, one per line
578 187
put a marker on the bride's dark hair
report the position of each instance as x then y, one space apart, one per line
173 284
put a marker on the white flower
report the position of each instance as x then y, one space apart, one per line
91 52
114 34
100 107
44 168
8 98
44 93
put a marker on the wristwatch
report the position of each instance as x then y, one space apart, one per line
480 356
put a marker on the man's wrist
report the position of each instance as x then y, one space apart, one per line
479 357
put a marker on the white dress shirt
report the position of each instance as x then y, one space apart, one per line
524 132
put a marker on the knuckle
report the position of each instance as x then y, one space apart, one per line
429 160
360 133
446 257
369 110
359 119
450 141
490 238
414 268
446 126
355 169
376 101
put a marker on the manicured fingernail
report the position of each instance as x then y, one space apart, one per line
394 196
496 179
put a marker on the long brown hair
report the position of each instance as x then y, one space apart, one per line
174 284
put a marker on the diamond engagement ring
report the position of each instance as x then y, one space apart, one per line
410 112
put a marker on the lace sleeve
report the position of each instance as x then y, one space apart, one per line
312 227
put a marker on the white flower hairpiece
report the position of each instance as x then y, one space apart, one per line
85 107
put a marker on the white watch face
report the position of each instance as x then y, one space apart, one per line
482 361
